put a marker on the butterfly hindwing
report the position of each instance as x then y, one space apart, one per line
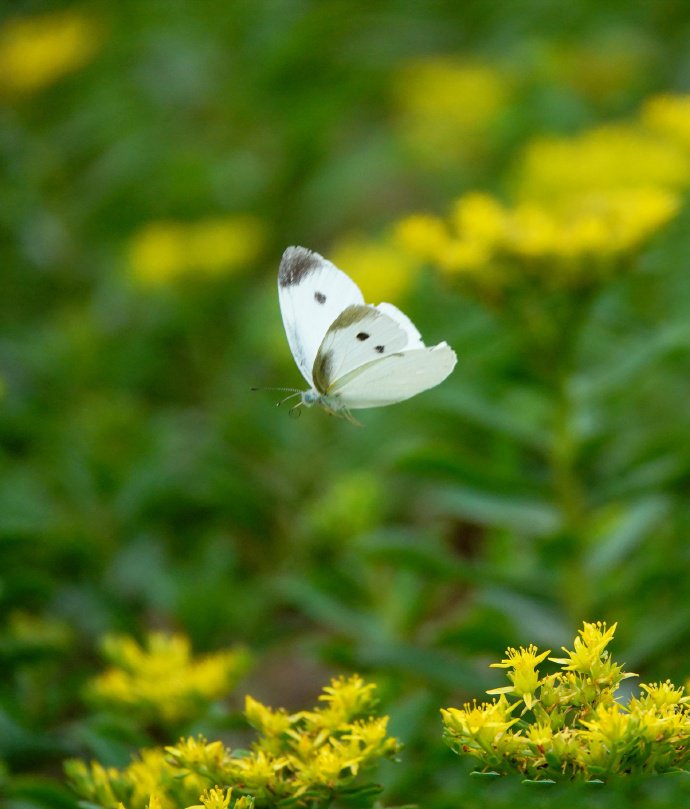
395 378
414 338
359 335
312 293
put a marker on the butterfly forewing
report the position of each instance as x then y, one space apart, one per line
312 293
359 335
394 378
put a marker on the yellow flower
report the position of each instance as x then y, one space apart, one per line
479 218
162 681
589 648
446 105
346 699
145 775
164 251
196 754
93 781
479 725
215 798
382 270
422 235
610 157
259 771
267 721
612 725
524 675
36 51
662 695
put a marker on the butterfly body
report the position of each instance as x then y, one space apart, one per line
352 354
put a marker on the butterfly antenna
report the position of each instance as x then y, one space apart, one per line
292 390
291 396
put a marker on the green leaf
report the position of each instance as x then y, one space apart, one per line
517 513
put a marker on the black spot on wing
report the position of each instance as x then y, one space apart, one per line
296 264
380 349
363 336
319 297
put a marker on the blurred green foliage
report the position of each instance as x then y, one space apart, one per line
144 487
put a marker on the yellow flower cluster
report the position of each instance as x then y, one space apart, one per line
164 251
161 682
36 51
559 243
583 205
570 724
307 759
445 106
615 156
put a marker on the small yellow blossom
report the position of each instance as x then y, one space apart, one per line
165 251
198 755
346 699
662 695
93 781
267 721
36 51
479 726
589 648
524 675
145 775
215 798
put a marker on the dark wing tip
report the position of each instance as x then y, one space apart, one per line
296 263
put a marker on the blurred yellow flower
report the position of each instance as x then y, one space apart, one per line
613 156
669 115
36 51
164 251
445 106
384 271
422 235
161 681
577 236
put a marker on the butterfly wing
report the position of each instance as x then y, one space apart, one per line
414 338
395 377
359 335
312 293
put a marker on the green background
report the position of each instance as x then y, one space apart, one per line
144 486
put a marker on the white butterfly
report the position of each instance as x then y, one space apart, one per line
352 354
